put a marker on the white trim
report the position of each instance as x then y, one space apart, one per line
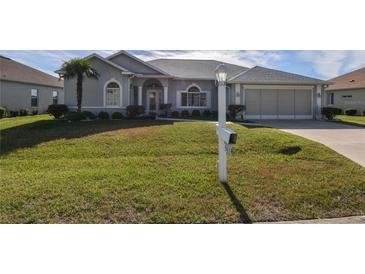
277 87
120 92
136 59
106 61
193 85
178 98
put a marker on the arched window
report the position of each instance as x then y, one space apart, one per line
112 94
193 97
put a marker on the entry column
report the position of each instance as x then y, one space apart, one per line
165 90
140 96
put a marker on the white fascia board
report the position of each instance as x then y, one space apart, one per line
136 59
106 61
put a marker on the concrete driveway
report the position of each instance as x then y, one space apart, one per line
345 139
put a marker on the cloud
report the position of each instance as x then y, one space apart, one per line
331 63
243 58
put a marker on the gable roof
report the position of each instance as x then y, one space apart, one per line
261 75
94 55
194 69
123 52
11 70
353 79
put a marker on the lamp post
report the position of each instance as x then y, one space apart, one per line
221 75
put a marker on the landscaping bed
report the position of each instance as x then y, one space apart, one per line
149 171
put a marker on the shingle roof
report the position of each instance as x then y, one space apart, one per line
354 79
11 70
261 75
194 69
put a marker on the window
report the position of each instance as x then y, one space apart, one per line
347 96
112 96
55 97
193 97
34 97
330 98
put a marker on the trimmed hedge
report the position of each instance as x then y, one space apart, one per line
13 113
195 113
74 116
207 113
215 114
331 112
23 112
34 111
89 115
350 112
175 114
134 111
117 115
103 115
166 108
185 113
57 110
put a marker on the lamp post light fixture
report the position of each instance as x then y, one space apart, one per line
226 137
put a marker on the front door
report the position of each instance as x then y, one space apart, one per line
153 101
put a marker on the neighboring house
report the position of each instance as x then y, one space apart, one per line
347 91
23 87
190 84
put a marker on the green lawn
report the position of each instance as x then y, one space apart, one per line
352 119
165 172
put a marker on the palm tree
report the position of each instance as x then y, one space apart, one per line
78 68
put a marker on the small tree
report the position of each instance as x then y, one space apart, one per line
78 68
330 112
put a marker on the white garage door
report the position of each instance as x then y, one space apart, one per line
279 104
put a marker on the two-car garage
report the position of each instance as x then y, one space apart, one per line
279 103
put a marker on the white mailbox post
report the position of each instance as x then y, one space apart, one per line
226 137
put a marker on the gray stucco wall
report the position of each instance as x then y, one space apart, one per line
93 90
15 96
205 85
356 102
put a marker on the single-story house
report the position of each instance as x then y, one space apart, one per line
23 87
190 85
347 91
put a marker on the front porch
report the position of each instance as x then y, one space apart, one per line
150 93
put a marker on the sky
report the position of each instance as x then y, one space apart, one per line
321 64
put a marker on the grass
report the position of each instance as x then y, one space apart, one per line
165 172
360 120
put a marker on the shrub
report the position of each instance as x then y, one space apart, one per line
185 113
134 111
363 112
2 112
207 113
103 115
195 113
330 112
74 116
34 111
89 115
215 114
166 108
175 114
351 112
117 115
23 112
13 113
57 110
234 110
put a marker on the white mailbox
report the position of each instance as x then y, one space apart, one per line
228 136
